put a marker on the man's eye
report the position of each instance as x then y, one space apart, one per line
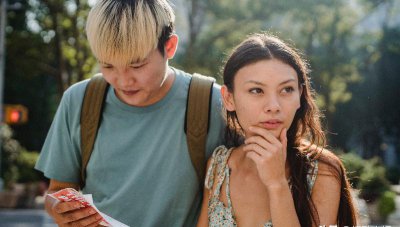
256 90
107 66
137 66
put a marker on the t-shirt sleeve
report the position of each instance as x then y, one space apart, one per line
60 156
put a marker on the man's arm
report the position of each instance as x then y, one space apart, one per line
69 213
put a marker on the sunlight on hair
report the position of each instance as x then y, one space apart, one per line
122 34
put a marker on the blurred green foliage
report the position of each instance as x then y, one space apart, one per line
373 182
387 204
369 176
354 165
16 163
354 64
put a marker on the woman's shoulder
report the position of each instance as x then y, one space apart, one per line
328 162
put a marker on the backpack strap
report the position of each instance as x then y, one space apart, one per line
90 118
197 121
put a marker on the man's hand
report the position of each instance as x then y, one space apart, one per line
69 213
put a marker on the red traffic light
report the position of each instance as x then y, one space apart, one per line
15 114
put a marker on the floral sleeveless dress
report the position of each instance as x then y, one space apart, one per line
218 213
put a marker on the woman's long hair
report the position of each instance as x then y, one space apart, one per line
306 126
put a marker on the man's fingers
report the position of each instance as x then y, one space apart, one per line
91 220
76 216
95 224
63 207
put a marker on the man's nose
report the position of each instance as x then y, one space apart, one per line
126 77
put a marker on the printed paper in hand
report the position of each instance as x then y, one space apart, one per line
70 194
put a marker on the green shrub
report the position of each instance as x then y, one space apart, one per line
354 165
10 150
387 204
373 182
16 162
25 164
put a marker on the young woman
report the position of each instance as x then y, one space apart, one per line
263 175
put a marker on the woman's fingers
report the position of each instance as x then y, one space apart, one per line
264 147
283 139
268 141
253 156
267 135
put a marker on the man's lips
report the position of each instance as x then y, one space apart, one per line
129 92
272 124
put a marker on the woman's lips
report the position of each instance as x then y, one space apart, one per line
271 124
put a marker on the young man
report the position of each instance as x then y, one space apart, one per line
140 171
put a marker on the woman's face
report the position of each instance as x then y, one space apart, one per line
265 94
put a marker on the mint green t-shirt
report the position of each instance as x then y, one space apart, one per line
140 171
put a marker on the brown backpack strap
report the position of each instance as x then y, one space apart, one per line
197 121
90 118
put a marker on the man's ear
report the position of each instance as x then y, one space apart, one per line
171 45
227 98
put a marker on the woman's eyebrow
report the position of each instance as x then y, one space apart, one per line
288 81
254 82
260 83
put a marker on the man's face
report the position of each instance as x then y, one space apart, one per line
141 83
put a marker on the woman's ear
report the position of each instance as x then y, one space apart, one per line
301 88
227 98
171 45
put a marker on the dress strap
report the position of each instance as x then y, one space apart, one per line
312 175
228 191
216 170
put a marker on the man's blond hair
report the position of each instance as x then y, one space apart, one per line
127 30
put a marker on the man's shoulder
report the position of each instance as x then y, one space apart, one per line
187 76
77 88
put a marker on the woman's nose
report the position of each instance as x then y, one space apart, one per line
272 104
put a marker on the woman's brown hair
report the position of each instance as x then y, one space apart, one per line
304 134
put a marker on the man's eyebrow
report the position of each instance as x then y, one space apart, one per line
138 61
104 63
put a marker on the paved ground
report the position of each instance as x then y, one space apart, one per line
25 218
38 217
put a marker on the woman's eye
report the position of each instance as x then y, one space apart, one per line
256 90
288 90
